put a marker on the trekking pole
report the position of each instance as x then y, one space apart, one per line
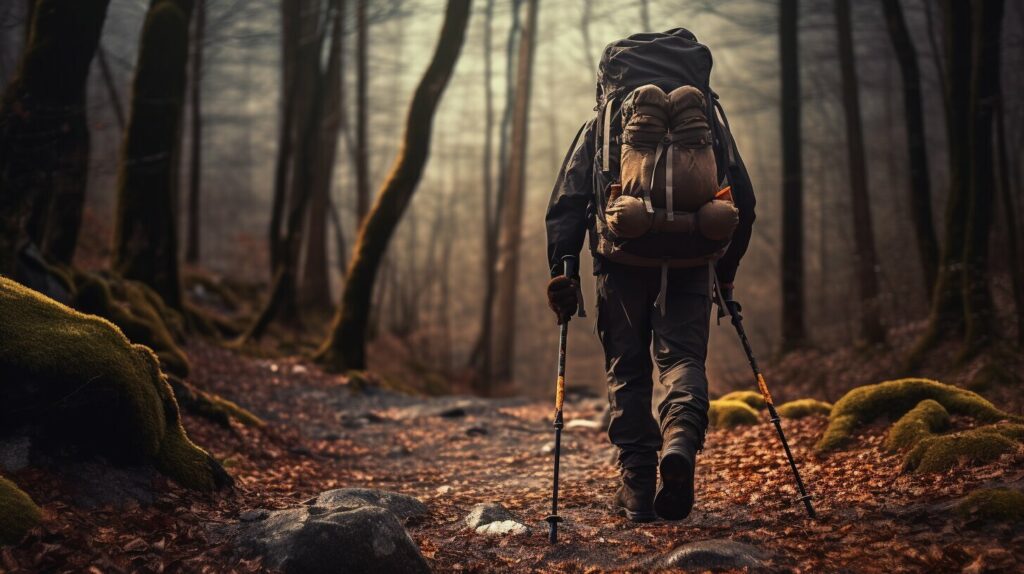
569 268
762 386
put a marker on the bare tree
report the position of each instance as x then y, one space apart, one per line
793 323
316 285
346 346
145 236
871 329
979 309
362 142
917 152
195 151
512 224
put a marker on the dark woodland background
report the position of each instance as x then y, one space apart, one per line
433 284
325 219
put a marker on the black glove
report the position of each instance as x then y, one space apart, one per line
729 303
563 296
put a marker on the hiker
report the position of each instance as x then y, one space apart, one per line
656 180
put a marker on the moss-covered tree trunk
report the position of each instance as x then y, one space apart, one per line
866 257
43 135
978 306
345 348
917 151
145 236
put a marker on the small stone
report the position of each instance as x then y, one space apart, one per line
493 519
14 453
548 448
720 553
254 515
299 370
452 413
583 424
476 430
444 489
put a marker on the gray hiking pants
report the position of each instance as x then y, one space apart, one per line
627 318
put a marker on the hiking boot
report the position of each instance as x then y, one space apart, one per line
636 495
674 499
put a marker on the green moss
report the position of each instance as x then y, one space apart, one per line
751 398
86 384
973 447
211 406
18 514
893 399
726 413
920 422
801 408
996 504
138 311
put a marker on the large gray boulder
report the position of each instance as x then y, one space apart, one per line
403 506
340 531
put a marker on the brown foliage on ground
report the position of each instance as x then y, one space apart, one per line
321 435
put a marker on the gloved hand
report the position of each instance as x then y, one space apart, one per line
729 303
562 296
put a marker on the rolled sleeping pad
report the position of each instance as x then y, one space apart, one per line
717 219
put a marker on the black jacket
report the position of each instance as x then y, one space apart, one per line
571 210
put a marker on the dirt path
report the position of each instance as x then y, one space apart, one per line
455 453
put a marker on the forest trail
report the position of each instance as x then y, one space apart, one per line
454 453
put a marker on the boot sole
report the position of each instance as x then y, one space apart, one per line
674 499
635 516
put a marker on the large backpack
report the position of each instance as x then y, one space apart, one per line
661 155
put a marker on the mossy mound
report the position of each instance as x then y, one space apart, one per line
974 447
80 381
140 314
725 413
920 422
893 399
801 408
18 514
751 398
995 504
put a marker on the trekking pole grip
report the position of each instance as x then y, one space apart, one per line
570 266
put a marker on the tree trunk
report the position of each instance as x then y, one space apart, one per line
1010 215
917 152
794 330
946 317
283 298
481 355
979 309
145 236
512 224
36 144
316 284
290 19
362 113
195 151
346 346
585 17
645 16
866 258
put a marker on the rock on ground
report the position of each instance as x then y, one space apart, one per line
715 554
347 530
493 519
